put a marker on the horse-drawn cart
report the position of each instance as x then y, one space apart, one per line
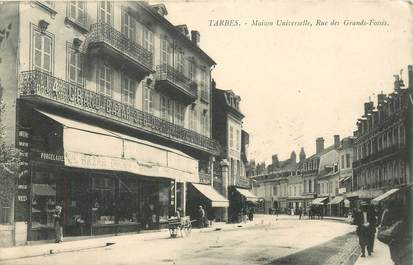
179 224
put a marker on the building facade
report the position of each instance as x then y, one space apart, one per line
383 143
111 106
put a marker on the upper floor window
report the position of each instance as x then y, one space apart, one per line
231 137
205 124
348 160
128 26
191 70
166 52
105 78
342 161
203 85
147 39
75 66
128 87
179 61
193 120
105 12
166 109
179 114
42 52
238 140
77 11
148 99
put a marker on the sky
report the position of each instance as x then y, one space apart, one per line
298 83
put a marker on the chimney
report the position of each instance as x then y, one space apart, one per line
213 84
410 75
293 157
183 29
275 161
302 155
336 141
319 144
368 106
195 37
381 98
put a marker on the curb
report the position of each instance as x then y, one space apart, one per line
58 249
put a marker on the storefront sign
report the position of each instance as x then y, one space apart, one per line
51 157
22 198
342 190
73 159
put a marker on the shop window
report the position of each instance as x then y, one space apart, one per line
43 200
128 206
104 202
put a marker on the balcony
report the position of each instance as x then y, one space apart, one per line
45 88
174 83
104 39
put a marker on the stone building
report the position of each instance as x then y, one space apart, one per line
111 105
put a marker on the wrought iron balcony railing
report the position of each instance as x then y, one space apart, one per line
174 78
44 85
106 34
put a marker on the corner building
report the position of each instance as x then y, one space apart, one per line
111 106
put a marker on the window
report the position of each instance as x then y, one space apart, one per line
238 168
148 99
147 39
238 140
179 61
105 12
205 124
42 52
348 160
203 85
77 11
231 137
75 67
193 120
342 161
128 26
191 70
179 114
105 80
128 87
166 109
166 52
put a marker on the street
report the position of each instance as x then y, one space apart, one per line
269 240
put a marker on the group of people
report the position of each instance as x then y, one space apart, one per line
393 224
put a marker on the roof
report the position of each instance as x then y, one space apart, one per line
174 30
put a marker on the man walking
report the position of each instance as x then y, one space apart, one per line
58 224
366 228
201 214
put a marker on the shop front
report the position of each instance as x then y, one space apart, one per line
241 201
106 182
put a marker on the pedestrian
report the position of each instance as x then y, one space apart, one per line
201 216
244 214
366 228
58 224
300 213
251 214
399 220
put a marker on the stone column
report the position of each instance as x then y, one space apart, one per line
225 175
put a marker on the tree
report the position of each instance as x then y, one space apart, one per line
10 160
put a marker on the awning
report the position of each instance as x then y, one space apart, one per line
91 147
247 194
384 196
337 200
43 190
217 200
319 201
344 179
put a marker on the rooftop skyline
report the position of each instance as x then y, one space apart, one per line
298 83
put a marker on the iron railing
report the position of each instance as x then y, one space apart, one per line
37 83
103 32
165 72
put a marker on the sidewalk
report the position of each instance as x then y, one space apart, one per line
380 256
83 243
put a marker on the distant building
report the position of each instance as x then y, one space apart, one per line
383 143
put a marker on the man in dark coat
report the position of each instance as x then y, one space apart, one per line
365 220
